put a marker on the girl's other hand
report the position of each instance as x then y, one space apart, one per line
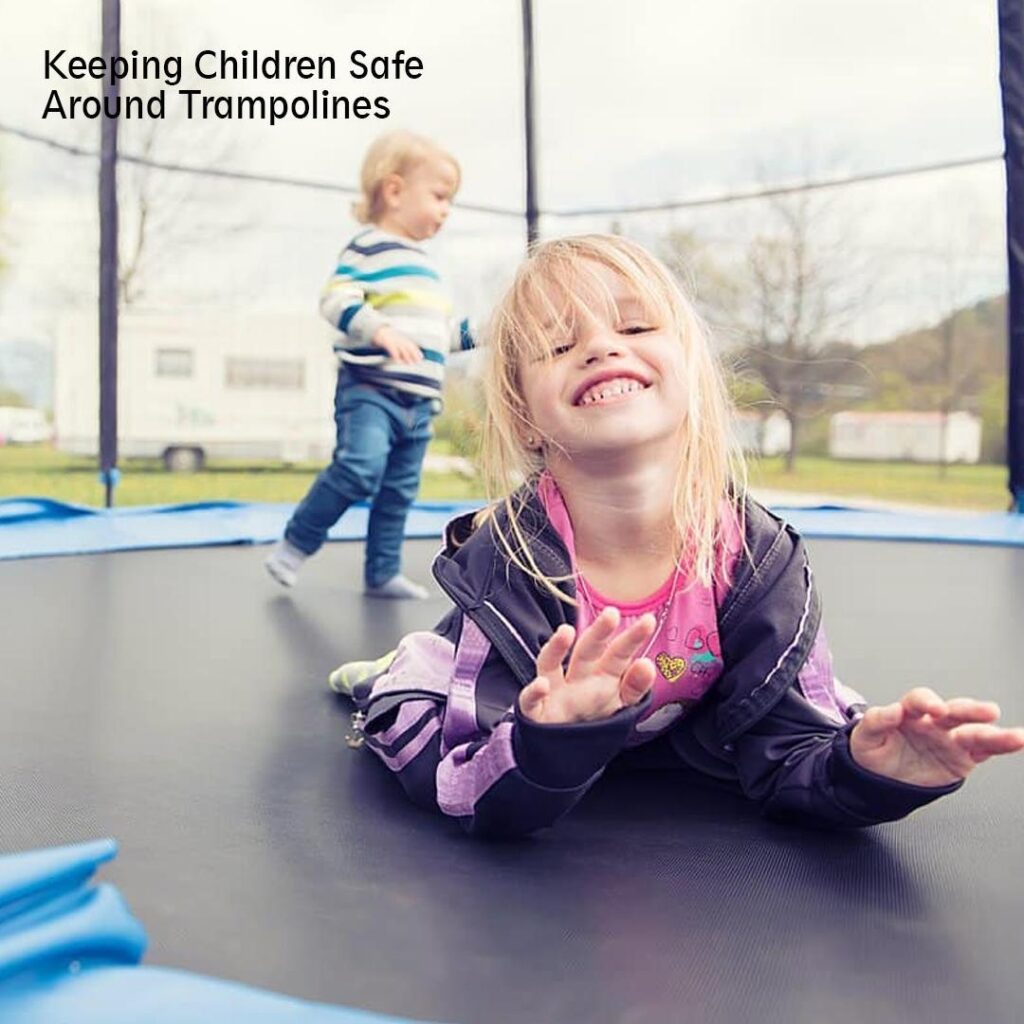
397 345
604 674
927 741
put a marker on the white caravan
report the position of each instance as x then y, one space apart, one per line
905 436
194 386
19 425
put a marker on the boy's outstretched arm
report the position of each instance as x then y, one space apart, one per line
927 741
463 336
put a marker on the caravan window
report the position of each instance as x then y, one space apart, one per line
174 362
266 374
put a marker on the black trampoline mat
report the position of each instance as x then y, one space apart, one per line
175 700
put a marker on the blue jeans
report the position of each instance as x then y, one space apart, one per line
378 456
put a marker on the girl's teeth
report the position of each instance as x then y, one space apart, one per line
610 389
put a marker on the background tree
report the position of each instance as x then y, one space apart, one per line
780 308
950 274
802 287
165 213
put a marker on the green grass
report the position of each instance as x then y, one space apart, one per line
40 471
962 487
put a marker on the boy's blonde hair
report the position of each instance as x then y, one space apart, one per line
550 290
394 153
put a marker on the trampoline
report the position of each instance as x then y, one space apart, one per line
175 699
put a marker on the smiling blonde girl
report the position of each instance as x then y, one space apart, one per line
622 591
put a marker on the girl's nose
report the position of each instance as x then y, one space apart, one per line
599 344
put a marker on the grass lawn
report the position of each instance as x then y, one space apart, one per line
962 487
37 471
41 472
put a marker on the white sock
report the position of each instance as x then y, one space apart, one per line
284 562
399 587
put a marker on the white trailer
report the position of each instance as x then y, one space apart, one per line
20 425
765 435
905 436
195 386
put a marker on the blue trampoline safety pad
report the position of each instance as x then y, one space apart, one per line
1002 529
33 527
69 951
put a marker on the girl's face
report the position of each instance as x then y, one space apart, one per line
616 383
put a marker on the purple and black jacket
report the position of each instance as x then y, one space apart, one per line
445 717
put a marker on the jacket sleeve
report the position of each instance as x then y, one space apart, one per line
343 302
796 763
463 336
782 720
481 762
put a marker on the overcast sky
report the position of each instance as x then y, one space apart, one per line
646 101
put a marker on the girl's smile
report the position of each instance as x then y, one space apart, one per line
609 386
615 375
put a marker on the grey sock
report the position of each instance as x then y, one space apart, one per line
399 587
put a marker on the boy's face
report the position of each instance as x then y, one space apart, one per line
418 203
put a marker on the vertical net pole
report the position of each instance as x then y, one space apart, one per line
1011 79
108 258
532 210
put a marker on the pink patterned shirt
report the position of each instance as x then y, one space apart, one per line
685 648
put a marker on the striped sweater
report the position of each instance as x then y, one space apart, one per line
383 279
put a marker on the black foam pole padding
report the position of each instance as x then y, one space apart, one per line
1011 78
108 255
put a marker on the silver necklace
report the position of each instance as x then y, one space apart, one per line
660 616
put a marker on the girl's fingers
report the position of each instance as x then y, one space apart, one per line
878 722
592 643
922 701
552 654
636 681
619 654
532 697
981 740
965 709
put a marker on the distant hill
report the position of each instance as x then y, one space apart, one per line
909 371
980 346
912 371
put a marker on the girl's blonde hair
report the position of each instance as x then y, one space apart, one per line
551 289
394 153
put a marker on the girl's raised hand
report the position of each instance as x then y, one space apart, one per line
604 674
927 741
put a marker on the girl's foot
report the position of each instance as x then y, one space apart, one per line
353 678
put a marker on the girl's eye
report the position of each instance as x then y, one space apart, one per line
636 328
554 353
